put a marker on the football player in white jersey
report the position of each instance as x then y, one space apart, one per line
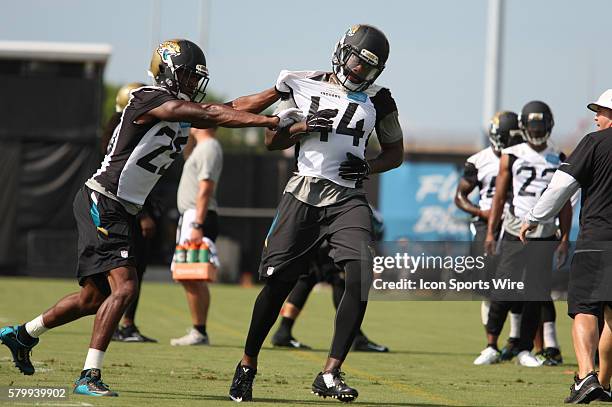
325 200
524 173
152 132
480 171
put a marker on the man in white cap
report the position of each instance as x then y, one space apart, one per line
588 168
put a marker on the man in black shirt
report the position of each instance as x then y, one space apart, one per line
588 168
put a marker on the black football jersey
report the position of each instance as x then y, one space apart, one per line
138 154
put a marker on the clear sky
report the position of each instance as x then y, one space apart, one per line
554 50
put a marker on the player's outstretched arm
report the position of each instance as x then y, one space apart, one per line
502 183
391 156
465 188
208 115
256 103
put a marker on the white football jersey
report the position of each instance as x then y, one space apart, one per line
531 172
138 154
320 154
482 169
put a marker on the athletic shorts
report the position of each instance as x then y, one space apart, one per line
105 234
589 288
531 264
298 229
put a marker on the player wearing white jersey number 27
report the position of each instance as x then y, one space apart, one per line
152 132
324 200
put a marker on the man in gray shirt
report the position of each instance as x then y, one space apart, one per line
197 203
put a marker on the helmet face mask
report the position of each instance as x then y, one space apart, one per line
180 67
360 57
192 83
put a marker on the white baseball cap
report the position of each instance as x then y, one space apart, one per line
605 100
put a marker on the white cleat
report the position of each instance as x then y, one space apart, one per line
525 358
488 356
193 337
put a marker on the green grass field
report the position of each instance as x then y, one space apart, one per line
433 345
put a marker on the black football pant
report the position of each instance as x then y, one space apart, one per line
349 314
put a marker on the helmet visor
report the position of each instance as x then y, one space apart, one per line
357 67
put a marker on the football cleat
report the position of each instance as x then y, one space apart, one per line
331 384
488 356
363 344
510 350
193 337
130 333
550 357
90 384
242 384
20 351
583 391
287 341
527 359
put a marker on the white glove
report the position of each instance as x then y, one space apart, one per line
287 117
280 82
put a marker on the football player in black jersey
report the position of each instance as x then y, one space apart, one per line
152 132
324 200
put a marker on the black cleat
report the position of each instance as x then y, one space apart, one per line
287 341
332 385
583 391
20 351
130 333
511 349
550 357
363 344
242 384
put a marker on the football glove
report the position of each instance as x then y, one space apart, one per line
354 169
287 117
322 120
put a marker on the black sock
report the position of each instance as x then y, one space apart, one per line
286 326
492 345
24 337
200 328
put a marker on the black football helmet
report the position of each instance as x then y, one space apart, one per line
360 55
536 122
180 66
504 130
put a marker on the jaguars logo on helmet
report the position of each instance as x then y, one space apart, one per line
536 122
180 66
504 131
360 57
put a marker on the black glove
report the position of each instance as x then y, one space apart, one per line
321 120
354 169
